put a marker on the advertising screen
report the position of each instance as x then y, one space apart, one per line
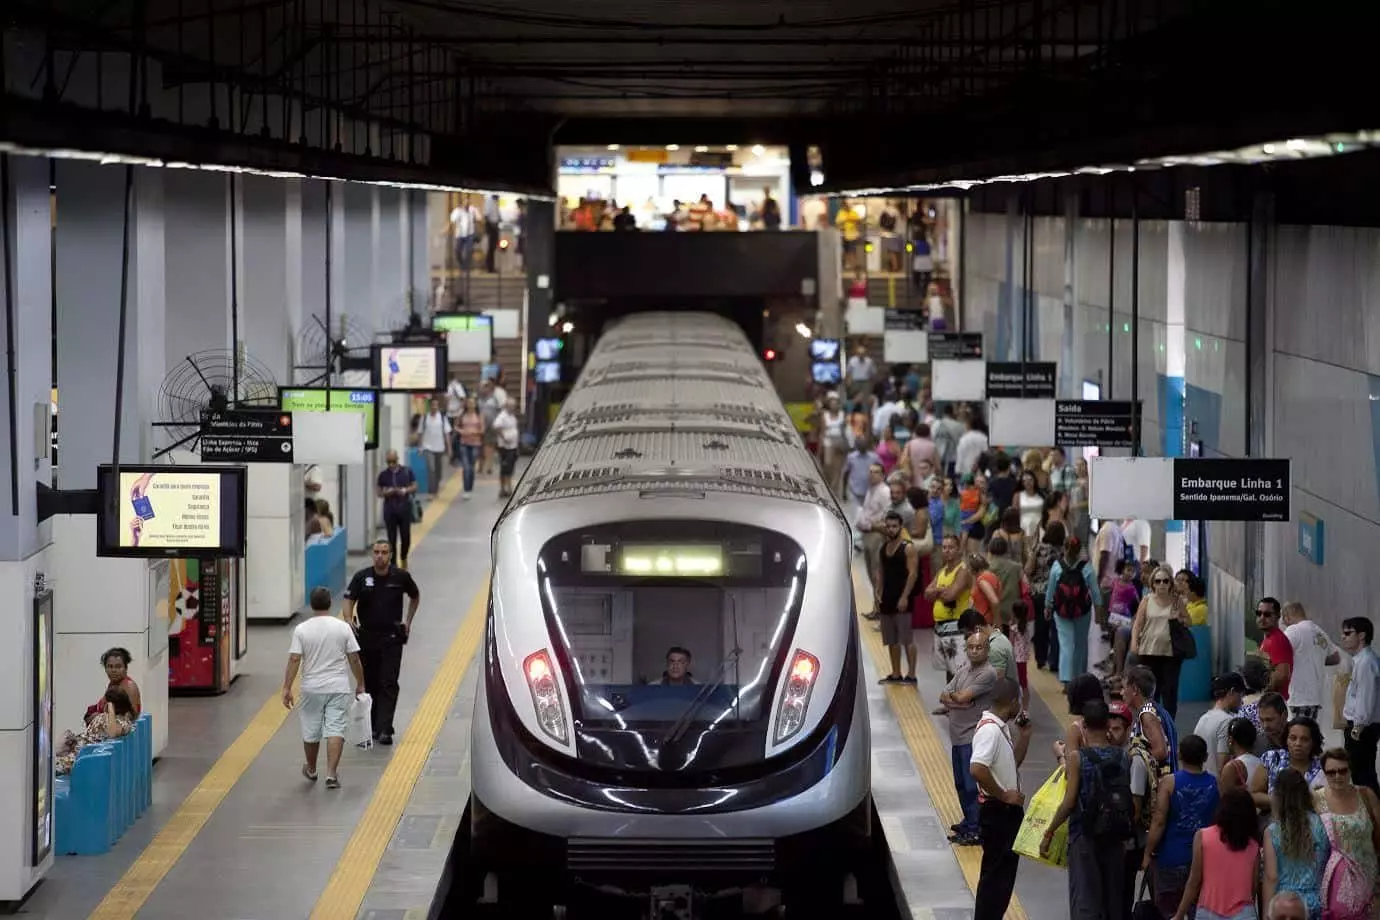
826 372
313 399
43 726
469 336
825 349
171 511
410 368
548 372
549 349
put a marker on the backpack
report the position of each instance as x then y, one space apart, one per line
1139 750
1072 599
1109 812
1346 892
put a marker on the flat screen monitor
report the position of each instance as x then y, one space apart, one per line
826 373
470 336
157 511
42 843
341 399
549 349
410 368
548 372
824 349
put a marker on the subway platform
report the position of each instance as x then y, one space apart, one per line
236 833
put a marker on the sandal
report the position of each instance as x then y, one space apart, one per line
309 773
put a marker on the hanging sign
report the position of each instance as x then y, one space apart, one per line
1230 489
1014 380
1095 423
955 346
246 436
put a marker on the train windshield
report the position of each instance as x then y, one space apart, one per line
671 635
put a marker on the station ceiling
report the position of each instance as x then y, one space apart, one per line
891 91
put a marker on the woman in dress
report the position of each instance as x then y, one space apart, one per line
1351 816
116 719
1296 845
116 663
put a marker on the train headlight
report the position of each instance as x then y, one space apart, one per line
546 695
795 696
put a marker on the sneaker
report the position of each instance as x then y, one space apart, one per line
909 680
958 839
309 773
332 782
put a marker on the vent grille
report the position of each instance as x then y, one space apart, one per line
735 376
750 857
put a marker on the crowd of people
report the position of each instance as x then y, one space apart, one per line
1249 816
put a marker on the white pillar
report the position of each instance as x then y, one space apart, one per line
1172 412
126 612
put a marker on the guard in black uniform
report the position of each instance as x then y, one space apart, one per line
374 604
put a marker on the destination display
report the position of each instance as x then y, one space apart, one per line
320 399
904 320
246 436
1095 423
955 346
1014 380
1229 489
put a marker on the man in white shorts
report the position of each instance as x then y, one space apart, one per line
324 648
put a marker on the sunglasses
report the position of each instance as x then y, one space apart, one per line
1161 581
1338 772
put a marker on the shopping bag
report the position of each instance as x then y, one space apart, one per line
359 731
1038 814
1339 685
948 646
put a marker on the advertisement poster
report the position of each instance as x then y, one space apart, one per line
409 368
172 510
43 726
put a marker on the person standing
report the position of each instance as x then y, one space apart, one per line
964 700
492 220
396 486
898 567
1212 726
506 439
1274 645
326 652
1313 651
374 604
996 761
1361 708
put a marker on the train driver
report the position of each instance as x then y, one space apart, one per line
677 671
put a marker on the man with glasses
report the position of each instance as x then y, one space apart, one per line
1361 708
1274 645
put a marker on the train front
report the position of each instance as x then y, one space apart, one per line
671 704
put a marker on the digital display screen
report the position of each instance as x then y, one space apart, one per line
826 372
825 349
313 399
43 727
171 511
548 372
548 349
469 336
663 560
410 368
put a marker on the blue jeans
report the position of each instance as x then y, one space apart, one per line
469 458
961 758
1073 645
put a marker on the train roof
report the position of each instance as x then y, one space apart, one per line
673 401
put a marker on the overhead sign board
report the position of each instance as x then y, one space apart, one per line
904 320
1095 423
955 346
246 436
1014 380
1229 489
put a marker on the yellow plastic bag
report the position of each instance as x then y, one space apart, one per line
1038 814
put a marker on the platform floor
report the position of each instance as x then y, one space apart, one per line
235 833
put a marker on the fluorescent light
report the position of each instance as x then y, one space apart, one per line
758 150
731 148
568 328
803 329
613 146
701 149
673 146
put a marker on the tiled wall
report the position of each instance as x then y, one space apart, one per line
1325 305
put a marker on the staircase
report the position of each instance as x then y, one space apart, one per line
482 293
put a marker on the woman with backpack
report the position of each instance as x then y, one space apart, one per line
1185 802
1351 816
1069 599
1222 880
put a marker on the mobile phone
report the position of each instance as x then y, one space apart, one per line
143 507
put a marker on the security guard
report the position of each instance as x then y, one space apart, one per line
373 603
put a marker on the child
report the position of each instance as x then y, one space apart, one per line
1121 609
1019 634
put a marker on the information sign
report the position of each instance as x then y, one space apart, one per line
1014 380
955 346
1095 423
246 436
1230 489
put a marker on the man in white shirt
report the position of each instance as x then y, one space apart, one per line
506 438
995 766
875 505
1361 708
1136 534
1313 652
464 221
1227 690
860 371
325 650
971 446
433 436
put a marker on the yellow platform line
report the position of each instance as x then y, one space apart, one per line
927 749
349 883
129 894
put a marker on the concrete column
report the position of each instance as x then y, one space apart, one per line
127 612
24 557
1172 394
275 529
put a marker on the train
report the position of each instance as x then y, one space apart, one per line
671 714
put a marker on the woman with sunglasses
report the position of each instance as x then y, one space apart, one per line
1151 638
1351 815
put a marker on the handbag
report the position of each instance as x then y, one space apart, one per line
1145 908
416 509
1181 640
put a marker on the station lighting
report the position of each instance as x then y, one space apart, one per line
568 328
701 149
613 146
758 150
769 354
804 330
673 146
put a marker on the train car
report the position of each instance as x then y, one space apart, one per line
671 714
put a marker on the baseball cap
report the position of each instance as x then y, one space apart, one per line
1223 684
1116 709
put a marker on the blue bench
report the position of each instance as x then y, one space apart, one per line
110 786
326 564
421 470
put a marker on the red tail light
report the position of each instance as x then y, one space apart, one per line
546 696
795 695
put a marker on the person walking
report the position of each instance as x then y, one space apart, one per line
396 486
995 764
325 651
374 604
